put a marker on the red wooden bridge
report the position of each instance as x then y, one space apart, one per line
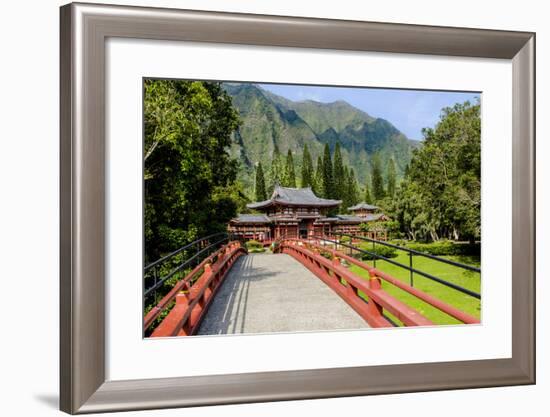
305 284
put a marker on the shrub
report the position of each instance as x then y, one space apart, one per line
345 239
468 249
446 248
376 252
253 246
439 248
398 242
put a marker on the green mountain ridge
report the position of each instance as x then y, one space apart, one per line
271 122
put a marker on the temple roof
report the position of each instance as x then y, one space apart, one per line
363 206
347 218
251 218
294 197
344 218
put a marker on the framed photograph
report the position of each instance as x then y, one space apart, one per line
263 208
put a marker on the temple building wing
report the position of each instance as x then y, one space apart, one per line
363 206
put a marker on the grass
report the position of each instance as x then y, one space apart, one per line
467 279
256 250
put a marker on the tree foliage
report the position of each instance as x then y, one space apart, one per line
290 174
318 181
440 196
189 176
340 180
260 191
391 178
367 198
277 171
307 179
351 193
328 176
378 192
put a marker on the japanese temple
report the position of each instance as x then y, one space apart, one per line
298 212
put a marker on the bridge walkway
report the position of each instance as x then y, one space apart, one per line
268 293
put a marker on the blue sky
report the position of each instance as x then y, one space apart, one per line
408 110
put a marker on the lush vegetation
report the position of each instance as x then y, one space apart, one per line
444 248
331 179
260 191
190 178
253 246
391 227
440 196
376 251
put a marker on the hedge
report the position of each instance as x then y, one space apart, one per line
254 246
446 248
376 252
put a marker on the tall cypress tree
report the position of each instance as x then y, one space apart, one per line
407 170
307 169
276 172
328 176
368 198
376 177
339 174
352 189
290 173
261 193
318 179
391 178
344 194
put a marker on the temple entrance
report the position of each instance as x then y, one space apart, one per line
303 230
306 229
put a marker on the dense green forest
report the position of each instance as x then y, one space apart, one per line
440 195
190 178
329 178
197 177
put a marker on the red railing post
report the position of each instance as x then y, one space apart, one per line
182 303
374 281
198 293
374 284
185 317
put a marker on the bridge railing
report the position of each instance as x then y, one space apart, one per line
159 276
181 310
434 302
352 288
410 267
179 269
390 304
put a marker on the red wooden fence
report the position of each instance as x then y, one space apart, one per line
191 296
347 285
192 299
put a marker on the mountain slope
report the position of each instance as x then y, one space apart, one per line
271 122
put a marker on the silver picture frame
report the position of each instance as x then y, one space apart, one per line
83 32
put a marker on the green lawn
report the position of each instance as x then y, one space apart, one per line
467 279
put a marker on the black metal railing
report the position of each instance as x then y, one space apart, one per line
157 273
409 267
